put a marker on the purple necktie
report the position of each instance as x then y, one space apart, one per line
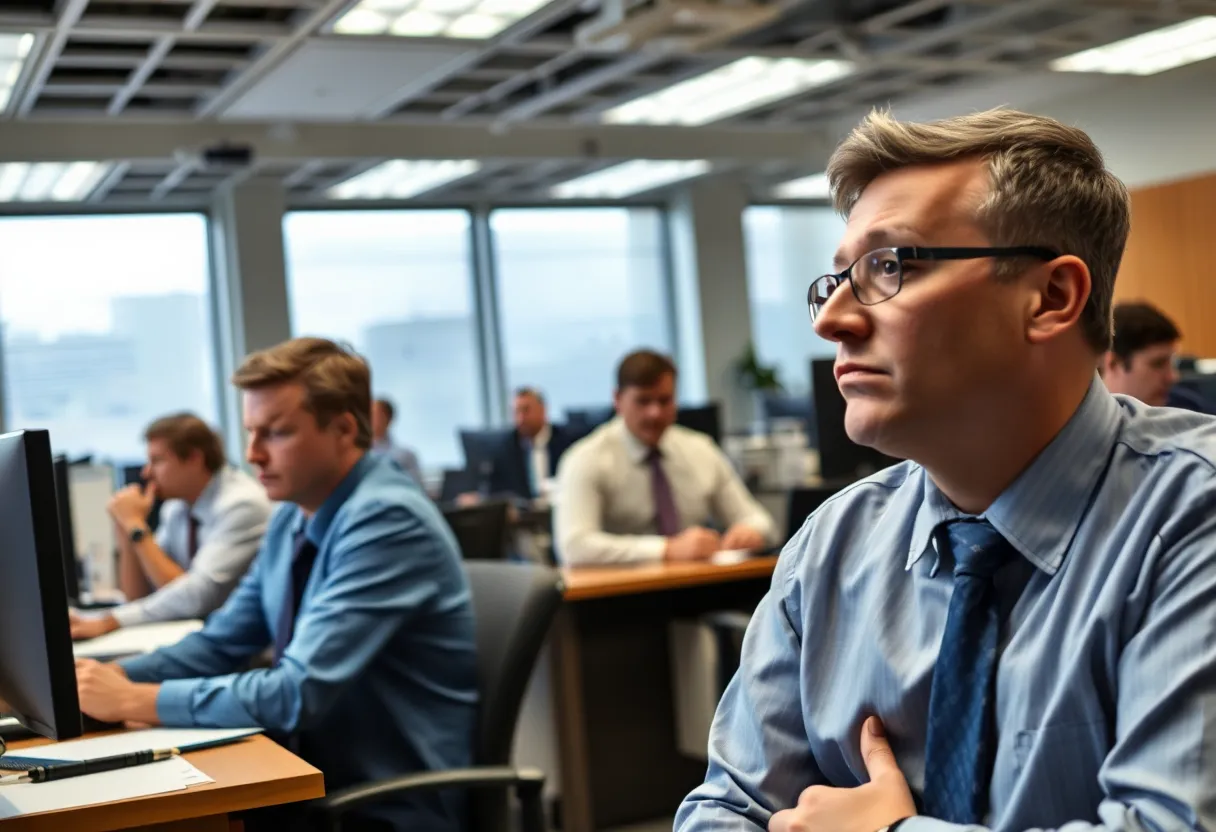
301 568
665 514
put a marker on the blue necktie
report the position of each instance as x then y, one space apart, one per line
301 567
961 742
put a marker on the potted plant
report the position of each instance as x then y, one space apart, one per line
760 379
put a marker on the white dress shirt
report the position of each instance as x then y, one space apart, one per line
538 460
232 513
605 508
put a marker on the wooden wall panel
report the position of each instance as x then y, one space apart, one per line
1170 259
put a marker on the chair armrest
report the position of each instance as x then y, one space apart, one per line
525 780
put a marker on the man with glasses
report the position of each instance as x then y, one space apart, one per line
1012 629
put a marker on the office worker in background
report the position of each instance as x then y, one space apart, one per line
1013 629
211 525
359 588
383 413
530 454
1143 358
640 488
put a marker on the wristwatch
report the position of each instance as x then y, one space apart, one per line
137 534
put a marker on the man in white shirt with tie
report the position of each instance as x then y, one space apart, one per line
211 525
643 489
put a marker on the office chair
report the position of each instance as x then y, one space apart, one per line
514 604
480 530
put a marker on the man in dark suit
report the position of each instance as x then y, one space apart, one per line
528 459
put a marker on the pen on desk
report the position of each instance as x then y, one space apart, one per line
42 774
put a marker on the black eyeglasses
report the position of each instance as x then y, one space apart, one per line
879 275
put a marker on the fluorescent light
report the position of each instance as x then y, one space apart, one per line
629 178
742 85
808 187
466 19
50 181
1149 53
419 24
360 21
14 48
402 179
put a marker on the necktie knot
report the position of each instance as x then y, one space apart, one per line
979 550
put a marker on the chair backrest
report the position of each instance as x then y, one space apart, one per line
514 605
481 530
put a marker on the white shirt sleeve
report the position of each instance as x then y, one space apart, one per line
578 519
220 563
734 504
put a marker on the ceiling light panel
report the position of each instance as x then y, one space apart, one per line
50 181
14 48
808 187
402 179
739 86
461 19
629 178
1149 53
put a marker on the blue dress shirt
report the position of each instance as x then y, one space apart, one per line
379 679
1106 684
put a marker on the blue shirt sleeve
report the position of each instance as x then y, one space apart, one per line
759 754
232 635
382 578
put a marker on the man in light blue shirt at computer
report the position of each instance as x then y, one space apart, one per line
1015 629
359 588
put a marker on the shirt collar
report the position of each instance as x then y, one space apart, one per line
202 508
318 525
541 440
638 451
1040 512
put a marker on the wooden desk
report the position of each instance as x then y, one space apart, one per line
612 684
249 774
583 583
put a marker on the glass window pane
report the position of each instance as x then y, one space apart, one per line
396 285
577 289
106 327
787 248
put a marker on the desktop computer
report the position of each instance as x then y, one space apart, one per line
706 419
37 668
840 458
67 532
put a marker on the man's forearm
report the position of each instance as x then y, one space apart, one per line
157 566
141 705
131 578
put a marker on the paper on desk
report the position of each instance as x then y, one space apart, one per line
125 783
128 741
729 556
135 640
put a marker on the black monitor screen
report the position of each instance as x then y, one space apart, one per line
705 419
840 458
67 534
37 669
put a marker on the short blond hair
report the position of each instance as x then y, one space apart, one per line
1049 186
335 378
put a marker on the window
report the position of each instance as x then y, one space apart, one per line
106 327
787 248
397 285
577 289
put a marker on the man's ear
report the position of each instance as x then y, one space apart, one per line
1061 291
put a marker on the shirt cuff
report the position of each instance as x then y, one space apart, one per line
138 668
173 702
129 614
920 823
651 548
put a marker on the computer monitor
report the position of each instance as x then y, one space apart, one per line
37 669
840 458
67 532
706 419
583 420
481 451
